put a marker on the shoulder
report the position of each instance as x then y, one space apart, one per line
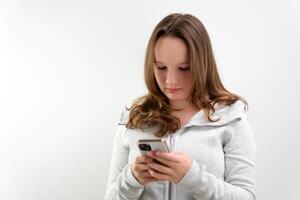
237 107
226 114
124 117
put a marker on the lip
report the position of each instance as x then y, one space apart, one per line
172 90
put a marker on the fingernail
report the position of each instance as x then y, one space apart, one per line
149 153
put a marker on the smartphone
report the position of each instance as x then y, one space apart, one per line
146 145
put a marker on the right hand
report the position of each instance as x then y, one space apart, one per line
140 169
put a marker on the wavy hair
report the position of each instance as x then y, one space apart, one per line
153 109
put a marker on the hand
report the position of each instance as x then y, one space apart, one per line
140 169
172 166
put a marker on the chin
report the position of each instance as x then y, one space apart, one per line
175 98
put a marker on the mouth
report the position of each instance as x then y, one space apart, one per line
172 90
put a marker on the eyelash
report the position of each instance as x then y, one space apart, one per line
182 69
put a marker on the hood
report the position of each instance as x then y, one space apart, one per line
225 114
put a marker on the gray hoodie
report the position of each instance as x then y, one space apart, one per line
223 154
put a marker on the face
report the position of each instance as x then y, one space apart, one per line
172 70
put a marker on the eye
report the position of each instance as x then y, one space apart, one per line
184 68
161 68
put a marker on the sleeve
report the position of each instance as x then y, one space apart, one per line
240 158
121 185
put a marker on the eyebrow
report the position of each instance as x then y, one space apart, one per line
158 62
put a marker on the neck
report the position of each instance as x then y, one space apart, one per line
182 104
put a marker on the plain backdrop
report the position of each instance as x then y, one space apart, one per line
68 68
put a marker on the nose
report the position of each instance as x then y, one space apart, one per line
171 78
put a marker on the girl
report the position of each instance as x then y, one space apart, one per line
212 146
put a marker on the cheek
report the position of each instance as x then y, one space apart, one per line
186 79
159 77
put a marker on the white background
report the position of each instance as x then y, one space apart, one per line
67 69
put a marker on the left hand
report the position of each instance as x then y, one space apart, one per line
173 165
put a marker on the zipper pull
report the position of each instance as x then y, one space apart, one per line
171 142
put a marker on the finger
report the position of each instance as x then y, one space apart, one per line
143 159
145 174
159 176
163 155
167 156
162 161
151 154
160 168
141 167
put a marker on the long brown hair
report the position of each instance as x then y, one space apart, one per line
153 109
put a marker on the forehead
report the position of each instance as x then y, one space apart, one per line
171 50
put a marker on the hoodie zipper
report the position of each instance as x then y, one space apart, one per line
171 145
170 191
172 142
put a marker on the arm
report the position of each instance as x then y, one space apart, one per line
121 183
239 155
